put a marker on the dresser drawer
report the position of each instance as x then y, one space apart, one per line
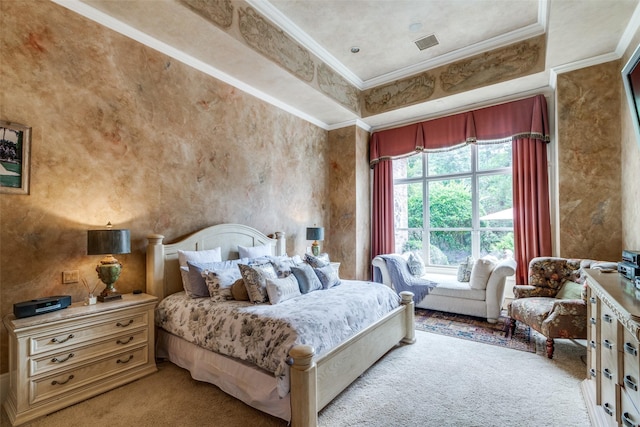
631 367
87 332
608 324
76 355
629 414
56 385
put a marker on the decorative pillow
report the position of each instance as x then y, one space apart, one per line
319 261
282 289
283 264
328 276
480 273
570 290
219 282
464 269
254 251
239 290
307 279
197 286
255 280
210 255
415 264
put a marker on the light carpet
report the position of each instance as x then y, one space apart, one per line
438 381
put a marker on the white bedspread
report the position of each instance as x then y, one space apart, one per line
263 334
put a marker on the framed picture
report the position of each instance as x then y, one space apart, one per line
15 142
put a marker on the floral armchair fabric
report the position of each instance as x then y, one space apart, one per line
537 304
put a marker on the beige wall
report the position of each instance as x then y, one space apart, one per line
122 133
588 164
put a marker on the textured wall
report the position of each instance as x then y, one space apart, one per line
349 194
122 133
588 108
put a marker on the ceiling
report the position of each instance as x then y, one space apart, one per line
579 33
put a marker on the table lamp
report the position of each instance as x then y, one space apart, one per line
108 242
315 234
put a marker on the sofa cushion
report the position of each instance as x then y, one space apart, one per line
480 273
448 286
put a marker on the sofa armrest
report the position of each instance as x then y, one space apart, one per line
567 319
494 293
528 291
379 263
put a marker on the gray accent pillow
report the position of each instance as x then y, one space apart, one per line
317 261
307 279
255 280
464 269
415 264
328 276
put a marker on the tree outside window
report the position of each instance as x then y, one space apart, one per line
453 204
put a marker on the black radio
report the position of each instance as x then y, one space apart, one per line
41 305
628 270
631 256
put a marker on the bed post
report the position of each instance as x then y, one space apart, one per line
281 243
155 266
409 318
304 399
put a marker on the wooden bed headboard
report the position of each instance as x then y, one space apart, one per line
163 271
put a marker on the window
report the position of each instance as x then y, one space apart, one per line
453 204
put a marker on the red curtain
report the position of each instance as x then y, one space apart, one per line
525 122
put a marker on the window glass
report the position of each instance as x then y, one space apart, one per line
450 203
494 156
450 162
495 200
408 167
408 205
449 247
408 240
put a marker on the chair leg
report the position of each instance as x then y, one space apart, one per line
512 328
550 348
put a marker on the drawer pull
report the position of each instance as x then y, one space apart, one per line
592 372
629 348
592 300
627 421
123 325
55 382
56 340
56 360
125 361
607 344
593 321
628 381
607 409
125 342
607 373
592 343
607 318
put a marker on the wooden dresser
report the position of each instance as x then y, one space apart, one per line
611 389
60 358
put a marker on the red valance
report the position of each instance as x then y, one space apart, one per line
526 118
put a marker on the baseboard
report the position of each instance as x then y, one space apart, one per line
4 386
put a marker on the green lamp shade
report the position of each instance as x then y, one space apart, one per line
108 242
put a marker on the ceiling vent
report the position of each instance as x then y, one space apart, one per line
427 42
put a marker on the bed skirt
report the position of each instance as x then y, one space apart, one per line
253 386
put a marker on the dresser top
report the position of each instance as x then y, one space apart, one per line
78 309
620 290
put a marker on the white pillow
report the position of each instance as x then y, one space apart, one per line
198 257
282 289
254 251
415 264
480 273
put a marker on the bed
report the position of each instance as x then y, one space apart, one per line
313 380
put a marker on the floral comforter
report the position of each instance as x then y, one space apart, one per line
263 334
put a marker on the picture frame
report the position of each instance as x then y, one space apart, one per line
631 81
15 149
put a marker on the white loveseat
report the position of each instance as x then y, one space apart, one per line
480 298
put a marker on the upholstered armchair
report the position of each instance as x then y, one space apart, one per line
554 302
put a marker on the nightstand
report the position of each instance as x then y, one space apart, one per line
63 357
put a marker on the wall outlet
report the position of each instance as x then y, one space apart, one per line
71 276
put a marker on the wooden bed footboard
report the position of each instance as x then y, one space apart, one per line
315 383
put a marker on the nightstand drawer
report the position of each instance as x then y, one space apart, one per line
76 355
87 332
56 385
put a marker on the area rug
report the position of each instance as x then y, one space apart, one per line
475 329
